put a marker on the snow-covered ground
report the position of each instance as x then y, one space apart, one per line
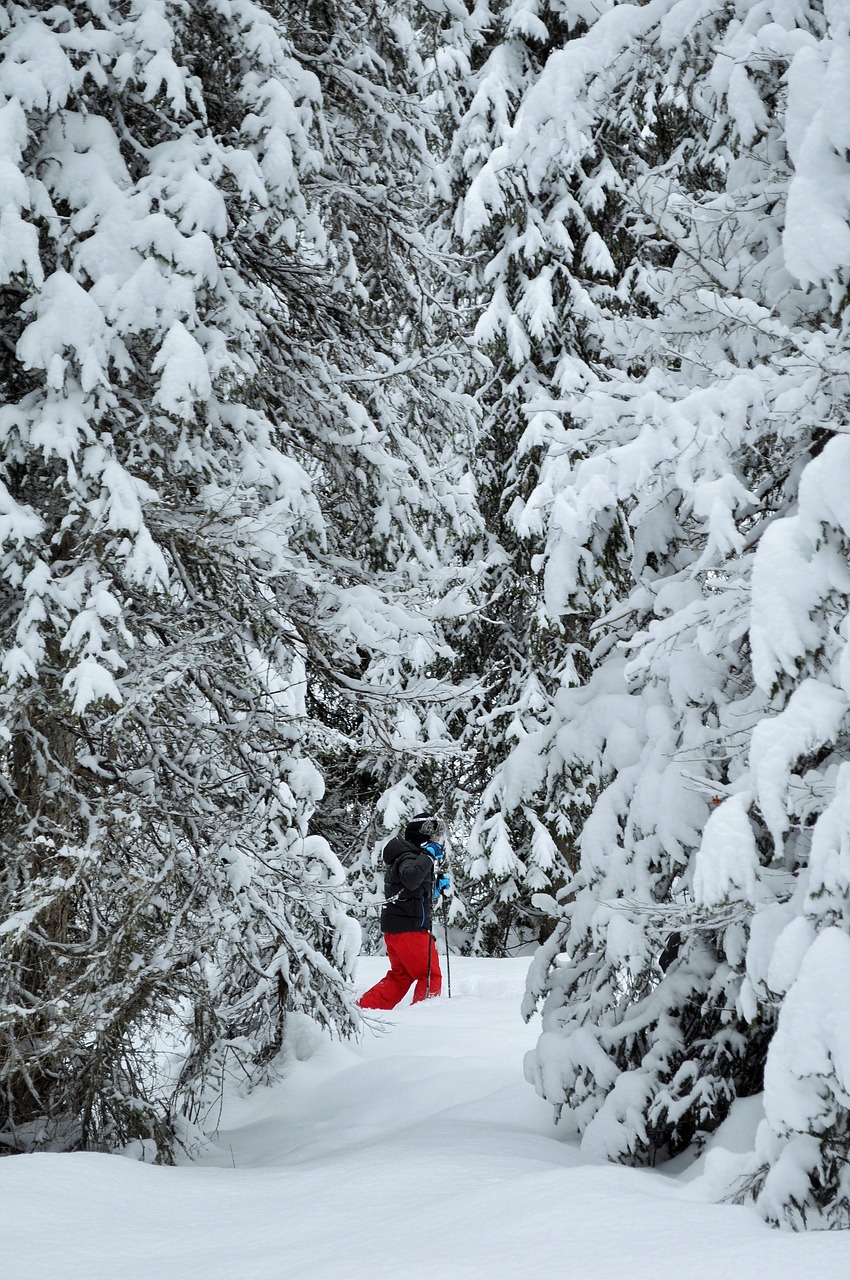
420 1153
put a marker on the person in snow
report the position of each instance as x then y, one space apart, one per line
412 884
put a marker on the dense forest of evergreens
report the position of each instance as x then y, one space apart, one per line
429 402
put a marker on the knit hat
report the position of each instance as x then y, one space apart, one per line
422 827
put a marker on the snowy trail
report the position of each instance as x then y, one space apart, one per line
420 1153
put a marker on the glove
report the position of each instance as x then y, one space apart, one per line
435 849
442 886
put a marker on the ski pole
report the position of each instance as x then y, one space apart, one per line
428 979
446 936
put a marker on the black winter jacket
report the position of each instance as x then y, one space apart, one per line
408 888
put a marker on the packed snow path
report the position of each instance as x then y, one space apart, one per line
420 1153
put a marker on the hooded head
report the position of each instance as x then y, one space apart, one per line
422 827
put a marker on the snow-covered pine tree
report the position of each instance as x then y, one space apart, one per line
410 536
517 292
221 488
712 890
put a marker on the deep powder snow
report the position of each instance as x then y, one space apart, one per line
419 1153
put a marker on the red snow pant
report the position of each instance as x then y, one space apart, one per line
408 953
